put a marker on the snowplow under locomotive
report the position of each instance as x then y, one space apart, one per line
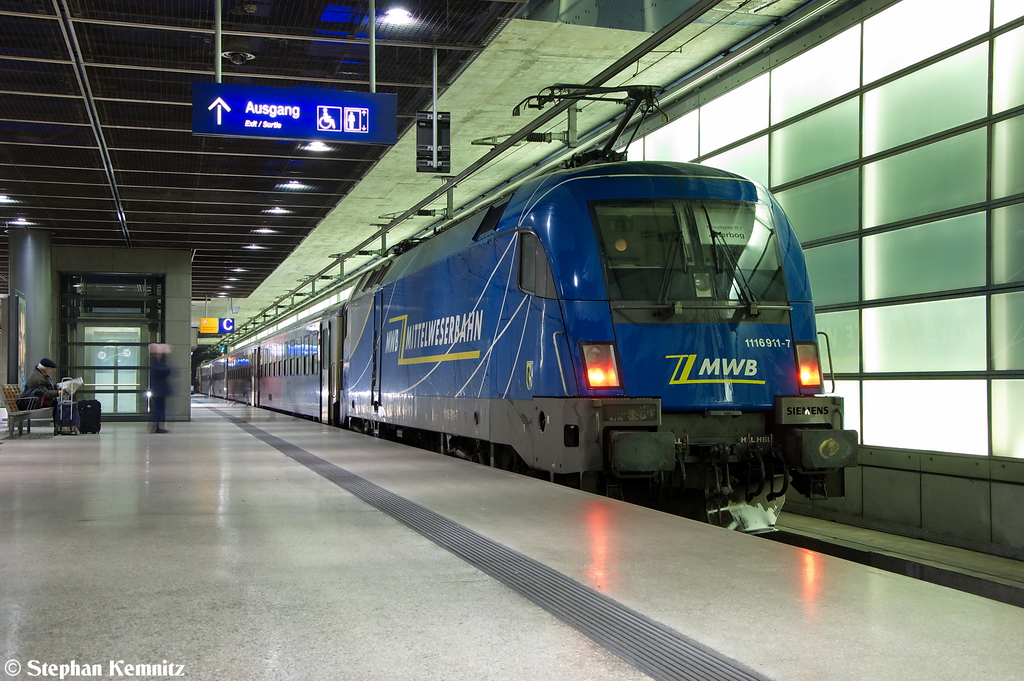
638 328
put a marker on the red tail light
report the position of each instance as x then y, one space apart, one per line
808 366
600 365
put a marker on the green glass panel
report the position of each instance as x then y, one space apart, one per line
676 141
1008 244
936 98
825 207
749 160
913 30
948 416
1008 70
944 255
1007 425
816 143
833 273
943 335
734 115
843 329
1008 331
940 176
850 392
1008 158
819 75
1007 10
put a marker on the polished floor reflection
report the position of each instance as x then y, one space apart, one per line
210 548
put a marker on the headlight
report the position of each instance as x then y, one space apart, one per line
600 365
808 366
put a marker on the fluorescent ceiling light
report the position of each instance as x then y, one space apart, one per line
293 186
398 16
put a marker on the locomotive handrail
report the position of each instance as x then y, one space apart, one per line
558 359
828 352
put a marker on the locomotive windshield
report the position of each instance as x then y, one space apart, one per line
689 250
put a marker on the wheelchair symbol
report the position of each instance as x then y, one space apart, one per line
327 117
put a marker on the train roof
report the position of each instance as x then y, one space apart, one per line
489 220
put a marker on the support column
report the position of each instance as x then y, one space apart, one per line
32 278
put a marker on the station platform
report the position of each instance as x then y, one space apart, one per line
248 544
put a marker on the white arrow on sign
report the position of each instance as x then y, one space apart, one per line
221 106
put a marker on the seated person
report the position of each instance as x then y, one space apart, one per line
38 383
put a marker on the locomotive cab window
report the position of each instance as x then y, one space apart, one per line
534 270
689 250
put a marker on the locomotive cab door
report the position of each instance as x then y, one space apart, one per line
375 366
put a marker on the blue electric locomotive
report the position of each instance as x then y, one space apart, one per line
644 328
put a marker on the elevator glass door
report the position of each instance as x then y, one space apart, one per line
107 322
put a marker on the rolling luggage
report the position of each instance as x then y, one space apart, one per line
89 412
65 418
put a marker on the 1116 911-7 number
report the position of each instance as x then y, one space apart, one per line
768 342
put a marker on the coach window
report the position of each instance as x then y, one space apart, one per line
534 271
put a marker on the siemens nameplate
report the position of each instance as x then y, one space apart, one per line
294 113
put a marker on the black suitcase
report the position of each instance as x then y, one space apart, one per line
65 418
89 412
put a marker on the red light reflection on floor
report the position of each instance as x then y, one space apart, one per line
813 572
602 568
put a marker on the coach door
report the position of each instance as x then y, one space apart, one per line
324 352
254 376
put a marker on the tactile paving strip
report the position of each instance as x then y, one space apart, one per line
649 646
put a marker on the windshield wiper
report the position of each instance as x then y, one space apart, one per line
742 285
666 275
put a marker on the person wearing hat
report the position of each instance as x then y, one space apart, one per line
39 378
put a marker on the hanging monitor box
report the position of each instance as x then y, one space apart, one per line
294 113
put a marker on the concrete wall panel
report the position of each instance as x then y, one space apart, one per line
956 506
1008 515
892 496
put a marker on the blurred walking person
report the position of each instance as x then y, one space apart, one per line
159 385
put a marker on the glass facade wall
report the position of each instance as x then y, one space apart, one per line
900 161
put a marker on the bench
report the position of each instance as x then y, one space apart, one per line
22 417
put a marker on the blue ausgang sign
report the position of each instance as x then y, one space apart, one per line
294 113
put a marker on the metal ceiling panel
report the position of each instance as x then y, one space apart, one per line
95 117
